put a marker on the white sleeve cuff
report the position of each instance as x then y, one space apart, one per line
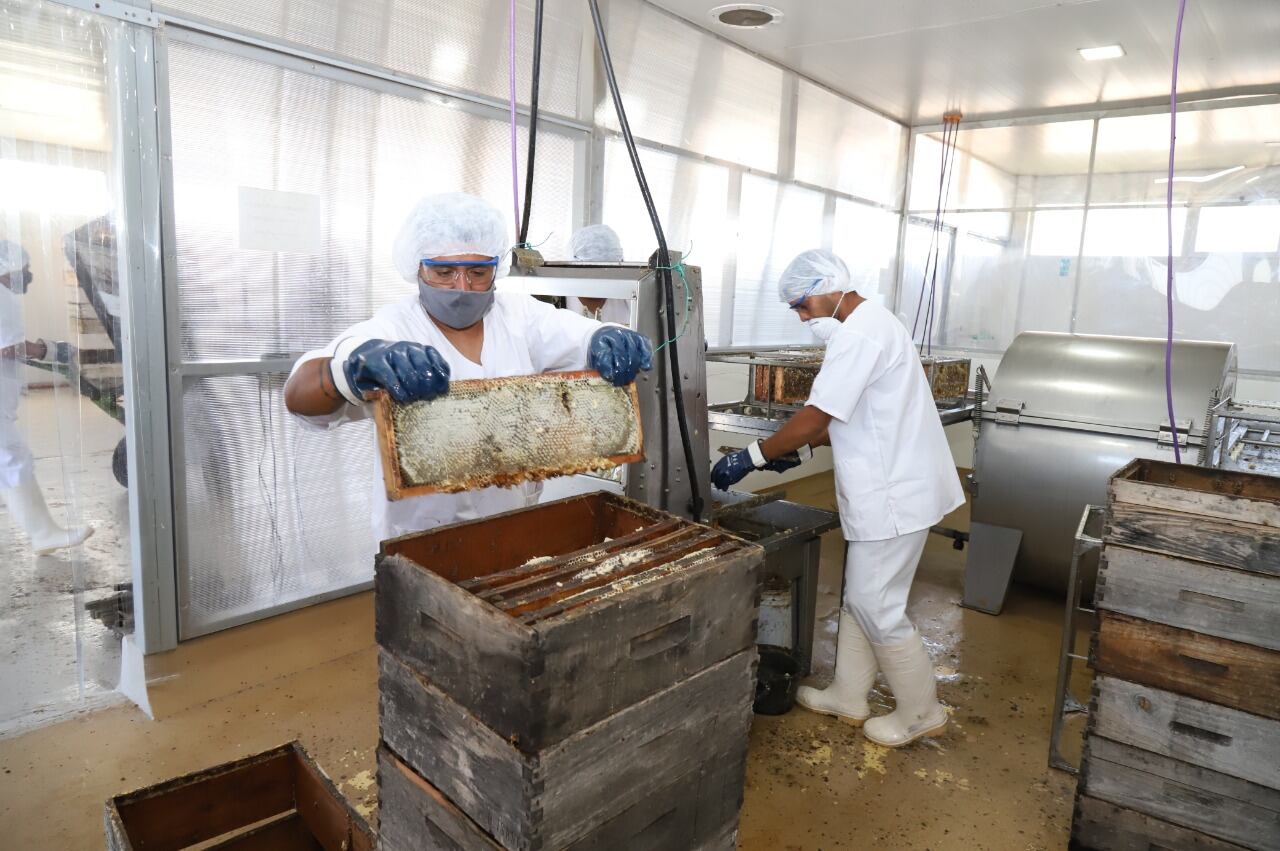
805 452
337 369
757 455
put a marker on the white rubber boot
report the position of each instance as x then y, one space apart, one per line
846 697
28 509
909 670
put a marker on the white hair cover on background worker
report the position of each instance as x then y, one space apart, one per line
521 336
596 242
19 489
599 244
813 272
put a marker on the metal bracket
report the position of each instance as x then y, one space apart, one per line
114 9
1009 411
1165 438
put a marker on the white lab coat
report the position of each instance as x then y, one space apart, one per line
522 336
615 311
894 470
15 457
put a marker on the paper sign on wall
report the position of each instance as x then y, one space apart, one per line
279 221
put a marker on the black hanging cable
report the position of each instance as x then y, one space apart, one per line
931 251
663 270
533 121
949 160
929 276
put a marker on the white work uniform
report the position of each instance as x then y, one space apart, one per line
15 457
616 311
895 477
522 336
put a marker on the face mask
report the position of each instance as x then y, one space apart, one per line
456 308
825 327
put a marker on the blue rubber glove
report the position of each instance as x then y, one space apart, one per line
783 463
408 371
619 354
731 469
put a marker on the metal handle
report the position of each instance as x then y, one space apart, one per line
662 639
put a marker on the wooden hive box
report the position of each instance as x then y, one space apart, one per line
543 621
278 799
1204 803
663 773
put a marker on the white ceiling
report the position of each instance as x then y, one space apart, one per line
916 59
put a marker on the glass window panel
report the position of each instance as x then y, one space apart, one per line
361 158
451 44
1133 232
776 222
692 198
916 310
1056 233
684 87
1253 229
846 147
866 238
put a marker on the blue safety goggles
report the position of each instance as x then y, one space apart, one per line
428 261
798 303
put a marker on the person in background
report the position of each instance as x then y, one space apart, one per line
19 489
458 325
895 478
599 244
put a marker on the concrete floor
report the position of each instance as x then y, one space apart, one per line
813 783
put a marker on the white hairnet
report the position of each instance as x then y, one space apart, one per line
447 224
815 266
596 242
12 257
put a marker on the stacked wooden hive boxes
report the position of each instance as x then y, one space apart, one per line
575 675
1183 746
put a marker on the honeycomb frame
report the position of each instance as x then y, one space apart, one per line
399 429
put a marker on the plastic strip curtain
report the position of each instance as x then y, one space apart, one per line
62 453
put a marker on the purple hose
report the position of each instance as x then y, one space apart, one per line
511 82
1168 292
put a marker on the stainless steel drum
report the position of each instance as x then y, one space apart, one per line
1065 411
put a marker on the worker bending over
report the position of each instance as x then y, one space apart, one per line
459 325
894 480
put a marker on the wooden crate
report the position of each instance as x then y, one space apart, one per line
1101 826
1242 546
1216 670
791 384
568 790
1211 600
278 799
1184 728
1247 499
458 605
698 811
1189 796
503 431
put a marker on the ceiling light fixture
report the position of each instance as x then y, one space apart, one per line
748 16
1106 51
1201 178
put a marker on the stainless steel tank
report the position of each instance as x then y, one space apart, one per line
1064 412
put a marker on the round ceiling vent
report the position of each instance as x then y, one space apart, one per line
746 15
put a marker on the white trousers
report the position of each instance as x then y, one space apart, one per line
15 457
877 580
